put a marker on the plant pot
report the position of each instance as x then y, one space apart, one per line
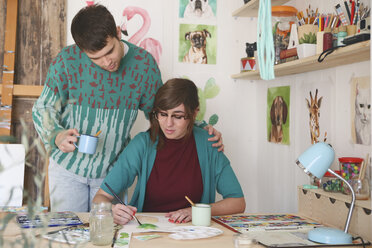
306 30
306 50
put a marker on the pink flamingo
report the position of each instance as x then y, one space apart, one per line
151 45
89 3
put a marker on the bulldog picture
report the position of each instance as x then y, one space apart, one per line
197 53
198 9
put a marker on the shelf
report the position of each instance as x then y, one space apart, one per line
342 56
250 9
342 197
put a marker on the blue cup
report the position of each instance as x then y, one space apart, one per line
87 144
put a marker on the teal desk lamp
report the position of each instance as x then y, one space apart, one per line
316 161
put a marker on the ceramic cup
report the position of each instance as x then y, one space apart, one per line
87 144
201 214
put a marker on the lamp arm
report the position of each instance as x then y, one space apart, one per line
352 197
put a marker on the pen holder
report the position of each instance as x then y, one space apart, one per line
319 42
351 30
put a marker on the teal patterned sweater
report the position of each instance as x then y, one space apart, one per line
79 94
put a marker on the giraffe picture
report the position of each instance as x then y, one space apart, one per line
313 106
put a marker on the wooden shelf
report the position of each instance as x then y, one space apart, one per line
26 90
250 9
342 56
342 197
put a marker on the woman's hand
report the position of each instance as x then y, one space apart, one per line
123 214
179 216
217 137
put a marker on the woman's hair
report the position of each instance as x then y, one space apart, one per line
91 27
173 93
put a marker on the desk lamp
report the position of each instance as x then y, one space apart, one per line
316 161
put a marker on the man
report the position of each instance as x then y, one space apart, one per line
97 84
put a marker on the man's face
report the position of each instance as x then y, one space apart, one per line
108 58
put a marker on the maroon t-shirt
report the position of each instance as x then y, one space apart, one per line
176 173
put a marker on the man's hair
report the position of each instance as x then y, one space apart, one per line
91 27
173 93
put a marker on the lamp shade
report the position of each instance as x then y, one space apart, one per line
317 159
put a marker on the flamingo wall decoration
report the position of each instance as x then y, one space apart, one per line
153 46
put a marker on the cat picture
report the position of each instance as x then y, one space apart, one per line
362 119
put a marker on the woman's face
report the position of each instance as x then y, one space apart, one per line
173 123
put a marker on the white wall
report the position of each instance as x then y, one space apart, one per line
267 171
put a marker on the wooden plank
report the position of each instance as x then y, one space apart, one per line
250 9
28 55
8 67
2 34
53 32
343 56
26 90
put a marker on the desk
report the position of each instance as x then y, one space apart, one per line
13 234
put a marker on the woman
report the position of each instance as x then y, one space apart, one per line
173 159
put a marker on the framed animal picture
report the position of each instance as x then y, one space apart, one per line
361 110
197 44
278 100
198 9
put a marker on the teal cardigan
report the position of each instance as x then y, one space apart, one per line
138 158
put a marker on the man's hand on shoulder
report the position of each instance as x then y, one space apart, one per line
217 137
65 140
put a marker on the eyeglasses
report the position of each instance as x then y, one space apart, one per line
162 116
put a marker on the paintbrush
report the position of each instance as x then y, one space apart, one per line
191 202
362 171
115 237
118 198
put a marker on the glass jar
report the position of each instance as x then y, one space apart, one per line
360 186
101 224
341 35
282 19
331 183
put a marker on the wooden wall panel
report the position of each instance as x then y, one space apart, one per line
54 33
2 35
28 52
41 34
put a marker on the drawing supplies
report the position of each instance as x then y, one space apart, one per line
341 15
98 133
352 12
264 222
49 219
347 10
118 198
355 20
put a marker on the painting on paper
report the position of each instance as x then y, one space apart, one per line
197 44
198 9
278 100
361 110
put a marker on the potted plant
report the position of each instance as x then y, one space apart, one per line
307 40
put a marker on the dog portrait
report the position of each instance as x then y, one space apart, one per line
197 53
197 44
278 117
198 9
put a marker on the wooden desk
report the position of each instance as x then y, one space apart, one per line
15 236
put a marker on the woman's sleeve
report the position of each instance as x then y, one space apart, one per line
127 167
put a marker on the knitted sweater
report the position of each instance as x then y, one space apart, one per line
79 94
